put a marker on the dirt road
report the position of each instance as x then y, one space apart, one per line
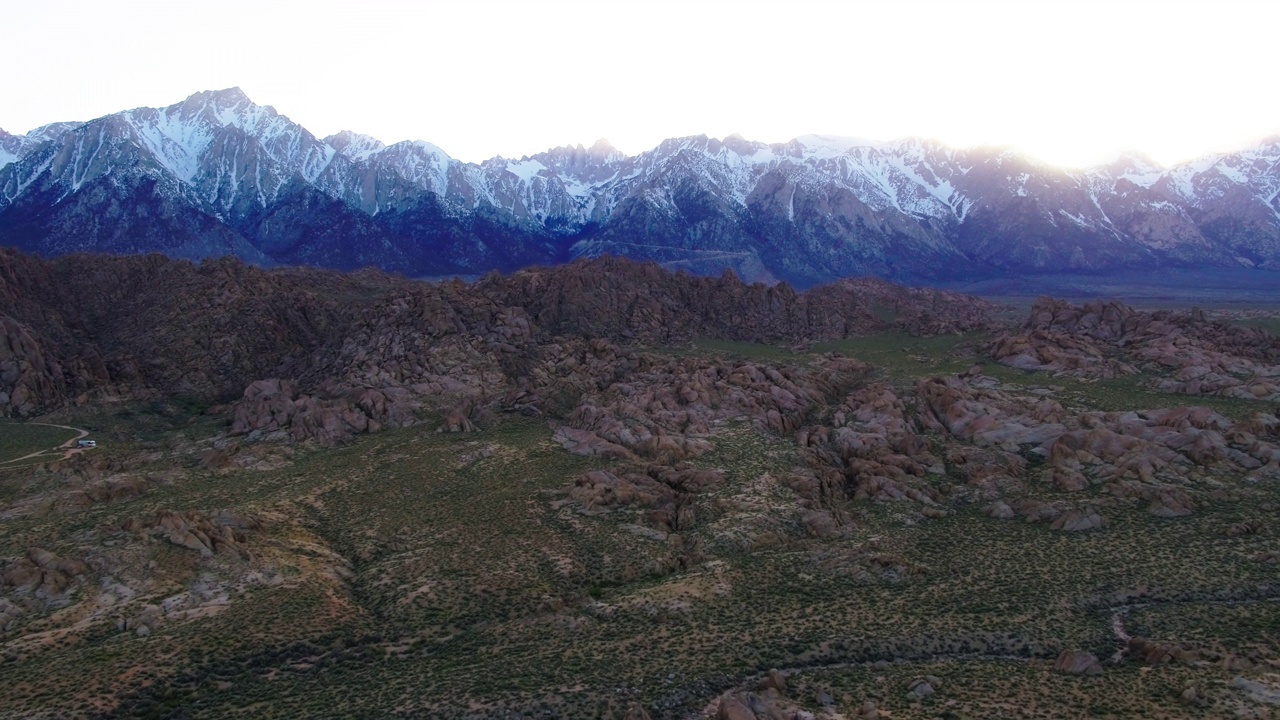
68 448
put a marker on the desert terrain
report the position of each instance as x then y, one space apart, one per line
609 490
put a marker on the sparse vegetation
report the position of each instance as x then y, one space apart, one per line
19 439
851 540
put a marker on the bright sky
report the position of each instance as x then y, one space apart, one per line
1072 83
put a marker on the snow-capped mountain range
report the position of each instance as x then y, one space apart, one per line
218 174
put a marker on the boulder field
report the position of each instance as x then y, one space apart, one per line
1189 353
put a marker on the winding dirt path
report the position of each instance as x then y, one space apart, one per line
69 447
1118 629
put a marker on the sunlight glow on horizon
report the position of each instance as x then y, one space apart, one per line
1069 84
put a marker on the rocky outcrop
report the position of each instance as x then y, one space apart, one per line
585 442
36 373
922 687
1079 520
1059 353
1194 356
1152 455
880 450
616 298
274 410
1077 662
768 705
206 533
663 408
989 417
43 573
1152 652
662 495
141 327
145 327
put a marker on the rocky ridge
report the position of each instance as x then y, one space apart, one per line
149 326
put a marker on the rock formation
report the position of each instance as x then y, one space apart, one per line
1194 356
149 326
1077 662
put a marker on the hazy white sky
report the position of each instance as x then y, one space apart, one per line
1070 83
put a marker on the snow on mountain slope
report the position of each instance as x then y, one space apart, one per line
833 197
10 147
421 163
1211 177
354 145
224 150
13 147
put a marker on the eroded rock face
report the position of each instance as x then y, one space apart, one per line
42 573
435 348
36 373
1151 652
145 327
1102 340
1152 455
989 417
661 494
1058 353
664 408
1079 520
875 442
954 439
615 298
206 533
922 687
733 707
880 450
37 581
1078 662
585 442
273 409
768 705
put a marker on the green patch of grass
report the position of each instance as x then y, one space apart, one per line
1270 324
903 356
733 349
19 439
1129 392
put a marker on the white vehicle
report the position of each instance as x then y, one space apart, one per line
87 443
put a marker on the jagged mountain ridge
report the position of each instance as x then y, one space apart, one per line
218 174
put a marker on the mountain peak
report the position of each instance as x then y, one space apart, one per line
1268 143
227 96
227 107
836 143
603 151
1135 157
739 144
1135 166
354 145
